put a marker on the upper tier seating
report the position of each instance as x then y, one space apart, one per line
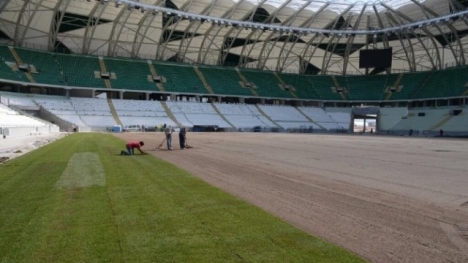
304 88
267 84
130 74
46 64
79 71
410 83
180 78
368 87
5 71
224 81
447 83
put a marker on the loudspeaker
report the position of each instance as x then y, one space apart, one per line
23 67
105 75
157 79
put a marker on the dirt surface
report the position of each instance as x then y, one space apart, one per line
387 199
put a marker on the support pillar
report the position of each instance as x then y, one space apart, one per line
262 101
67 93
93 93
197 98
241 100
173 97
121 95
219 99
147 96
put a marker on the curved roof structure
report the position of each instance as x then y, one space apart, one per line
282 35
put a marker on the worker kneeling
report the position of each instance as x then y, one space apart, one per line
131 148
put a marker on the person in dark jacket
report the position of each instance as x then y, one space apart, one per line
182 141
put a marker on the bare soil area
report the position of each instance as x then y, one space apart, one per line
387 199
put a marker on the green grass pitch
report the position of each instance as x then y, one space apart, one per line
78 200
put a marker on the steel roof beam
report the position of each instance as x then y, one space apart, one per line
427 32
60 8
25 17
186 38
244 59
307 22
351 40
93 20
228 13
142 30
452 29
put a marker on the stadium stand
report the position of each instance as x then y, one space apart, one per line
136 112
286 116
241 116
11 118
180 78
421 119
130 74
446 83
267 85
84 76
304 88
45 64
193 113
224 81
320 117
410 83
6 72
368 87
93 112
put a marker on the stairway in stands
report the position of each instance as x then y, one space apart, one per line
221 115
202 78
154 74
104 70
245 81
170 114
114 112
19 61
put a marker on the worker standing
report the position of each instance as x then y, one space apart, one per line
168 133
182 134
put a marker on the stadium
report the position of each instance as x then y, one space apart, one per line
319 130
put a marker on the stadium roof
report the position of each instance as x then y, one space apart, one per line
293 35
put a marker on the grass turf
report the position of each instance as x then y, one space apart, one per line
147 211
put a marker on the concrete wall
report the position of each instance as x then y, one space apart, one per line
27 131
389 117
46 115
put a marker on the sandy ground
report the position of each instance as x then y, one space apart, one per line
387 199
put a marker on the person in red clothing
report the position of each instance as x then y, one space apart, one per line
131 147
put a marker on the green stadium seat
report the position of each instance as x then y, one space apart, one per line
267 84
224 81
130 74
180 78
